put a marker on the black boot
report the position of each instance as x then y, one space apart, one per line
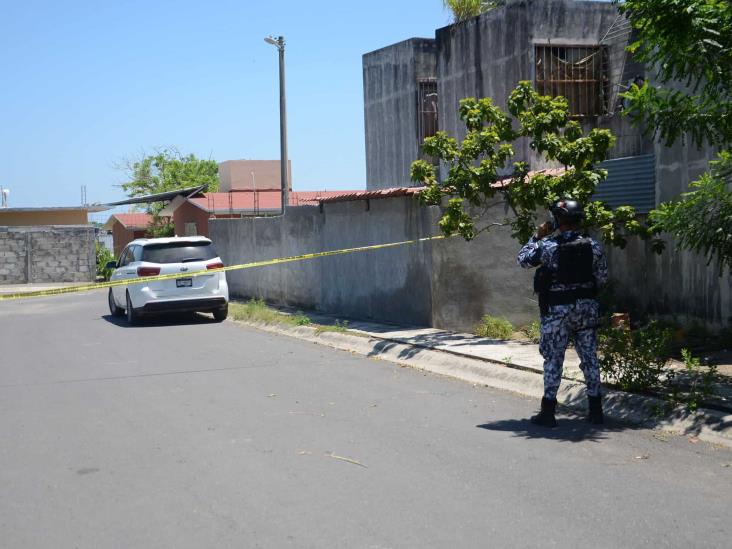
595 415
545 417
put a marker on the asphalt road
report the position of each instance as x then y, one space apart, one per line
187 433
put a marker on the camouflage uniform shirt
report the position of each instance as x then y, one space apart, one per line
575 322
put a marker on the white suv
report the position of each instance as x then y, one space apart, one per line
206 292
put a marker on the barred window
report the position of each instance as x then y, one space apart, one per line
575 72
427 109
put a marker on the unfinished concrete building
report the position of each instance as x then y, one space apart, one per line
575 49
572 48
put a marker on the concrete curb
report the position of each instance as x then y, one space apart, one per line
708 425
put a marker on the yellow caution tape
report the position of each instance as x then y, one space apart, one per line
253 264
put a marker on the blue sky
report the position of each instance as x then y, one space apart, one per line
85 85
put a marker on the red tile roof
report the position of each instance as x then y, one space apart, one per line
134 220
265 200
340 196
238 201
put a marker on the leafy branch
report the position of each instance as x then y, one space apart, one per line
481 174
688 46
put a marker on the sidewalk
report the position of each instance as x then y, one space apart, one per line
508 365
514 354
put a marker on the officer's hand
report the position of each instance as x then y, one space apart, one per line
544 229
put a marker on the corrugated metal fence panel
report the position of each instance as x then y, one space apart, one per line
630 181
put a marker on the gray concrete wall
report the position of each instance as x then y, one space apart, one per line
260 238
47 254
485 56
471 279
449 284
388 285
390 84
677 283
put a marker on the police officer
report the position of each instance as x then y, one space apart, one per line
571 269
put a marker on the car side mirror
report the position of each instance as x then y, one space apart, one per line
111 265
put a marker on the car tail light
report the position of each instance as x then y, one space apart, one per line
148 271
216 265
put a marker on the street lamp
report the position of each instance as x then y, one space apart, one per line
279 43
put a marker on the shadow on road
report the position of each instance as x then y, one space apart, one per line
570 429
169 319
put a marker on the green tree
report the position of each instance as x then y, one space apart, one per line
465 9
476 179
167 170
688 46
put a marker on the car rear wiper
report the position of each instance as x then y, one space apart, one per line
189 259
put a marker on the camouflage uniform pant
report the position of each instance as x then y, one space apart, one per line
576 322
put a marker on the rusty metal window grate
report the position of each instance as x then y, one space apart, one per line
427 109
575 72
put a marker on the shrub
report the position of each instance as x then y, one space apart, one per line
104 256
694 384
300 319
532 331
494 328
635 360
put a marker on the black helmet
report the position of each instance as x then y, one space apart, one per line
567 210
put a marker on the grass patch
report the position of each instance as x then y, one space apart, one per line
256 310
337 327
494 328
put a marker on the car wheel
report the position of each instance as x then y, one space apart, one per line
116 311
221 313
132 316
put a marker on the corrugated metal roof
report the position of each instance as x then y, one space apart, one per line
630 181
160 197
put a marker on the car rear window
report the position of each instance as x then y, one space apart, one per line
178 252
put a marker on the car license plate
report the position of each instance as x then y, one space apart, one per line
183 282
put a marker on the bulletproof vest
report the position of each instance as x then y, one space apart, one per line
575 262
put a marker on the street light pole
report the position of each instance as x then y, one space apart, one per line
279 42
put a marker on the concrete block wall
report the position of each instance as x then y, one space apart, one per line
13 264
47 254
